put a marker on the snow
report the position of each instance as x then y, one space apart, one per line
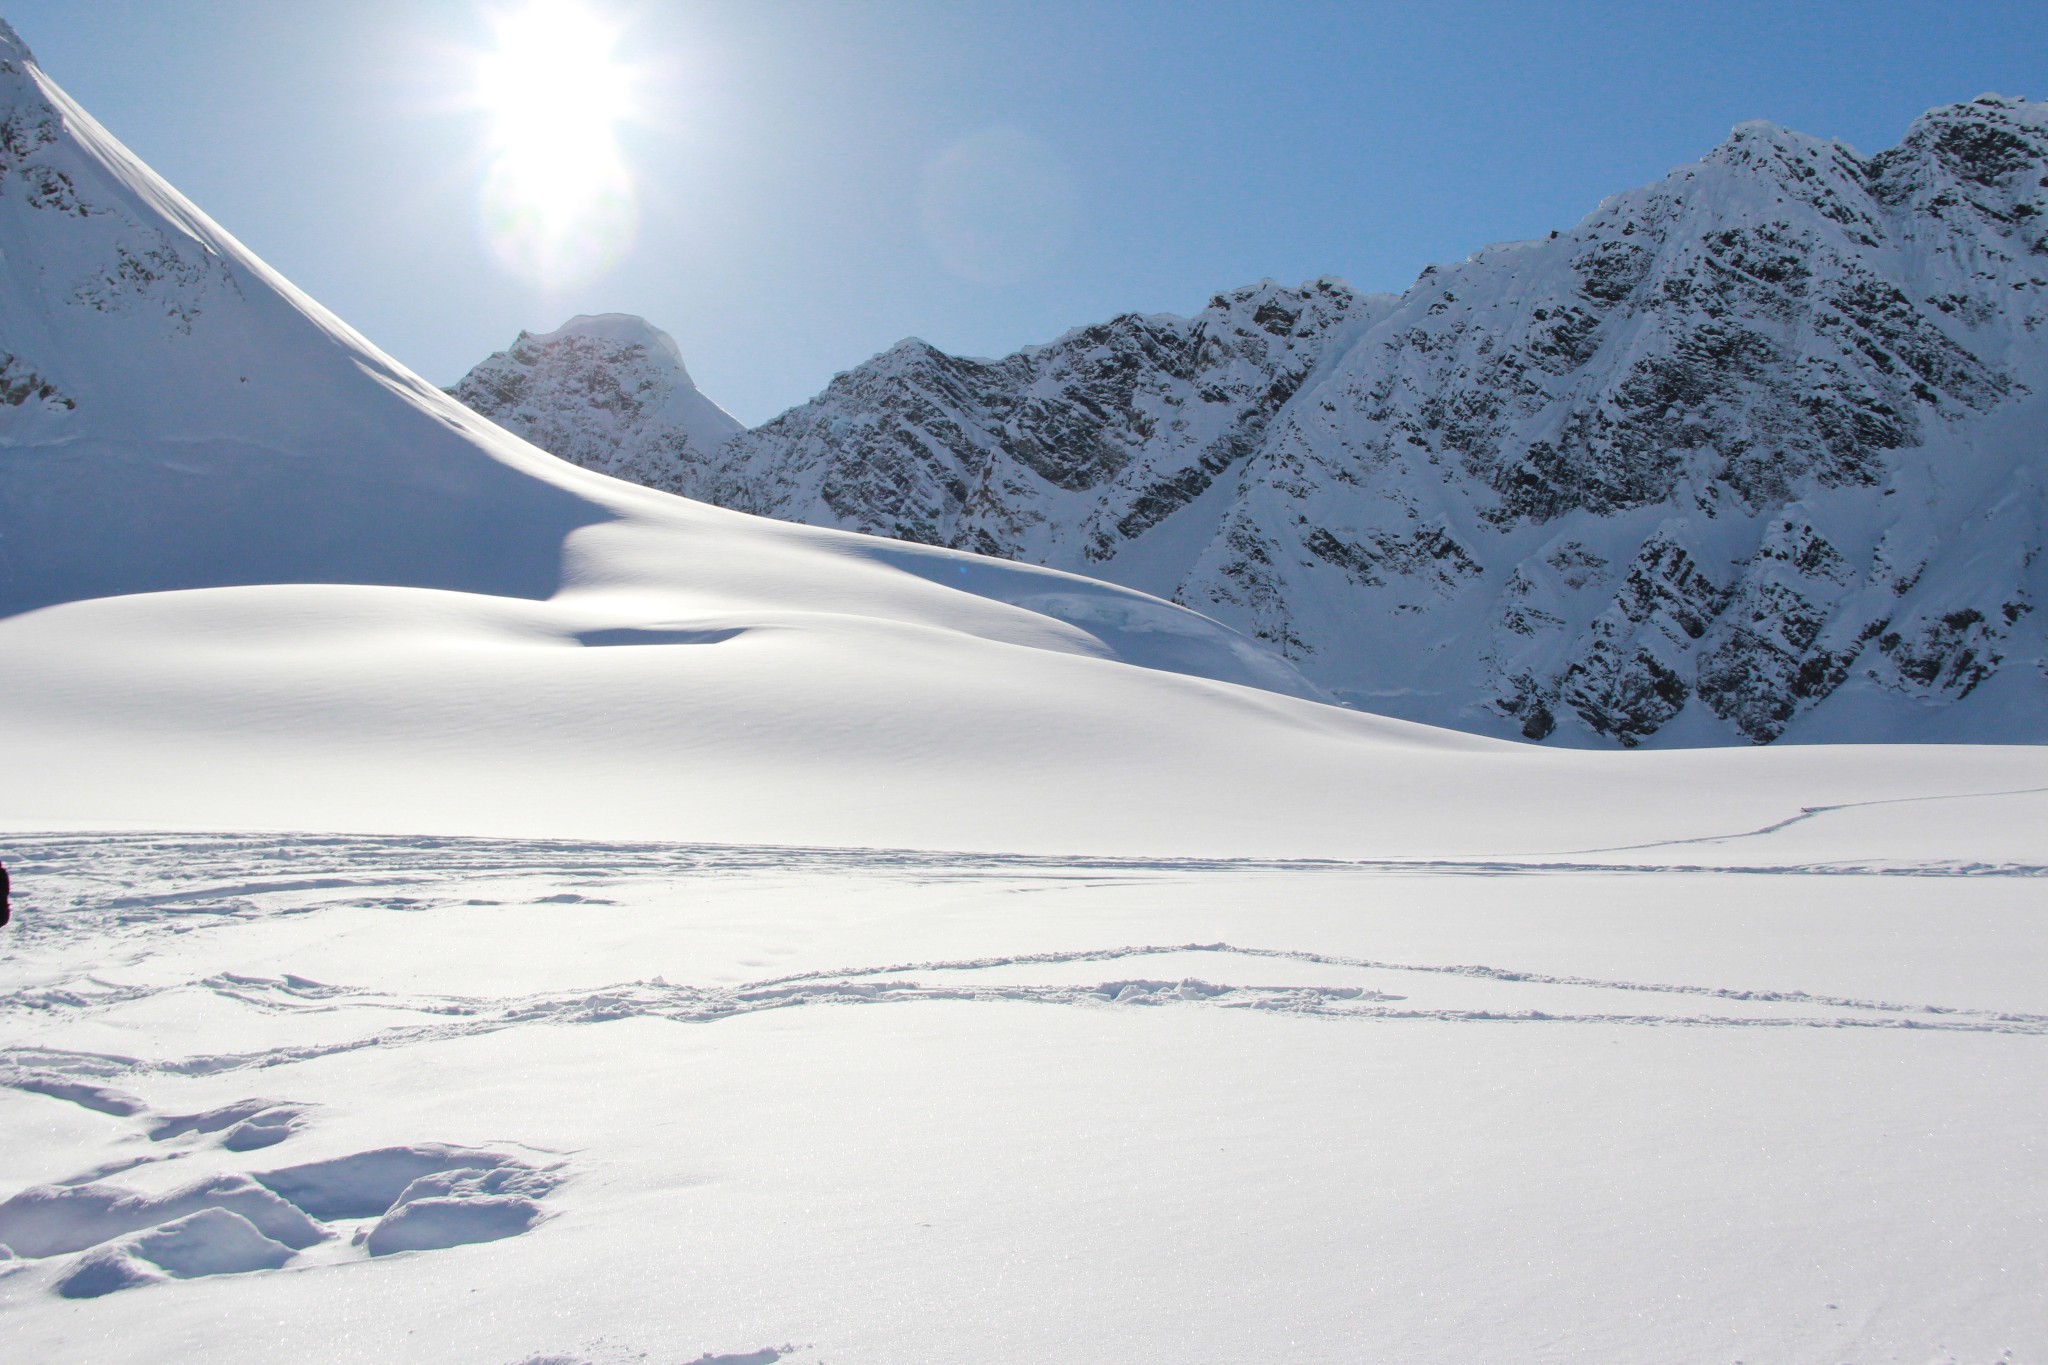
883 1106
471 909
210 1242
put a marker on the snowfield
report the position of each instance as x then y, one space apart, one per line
470 909
833 1105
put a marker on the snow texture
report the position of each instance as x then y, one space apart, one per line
1707 1101
51 1219
210 1242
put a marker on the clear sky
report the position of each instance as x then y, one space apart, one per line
806 183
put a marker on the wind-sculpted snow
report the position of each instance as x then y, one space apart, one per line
1750 453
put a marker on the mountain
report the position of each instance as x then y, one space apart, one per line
609 393
256 574
1751 453
471 910
174 415
1067 453
253 570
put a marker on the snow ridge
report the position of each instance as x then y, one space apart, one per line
1750 453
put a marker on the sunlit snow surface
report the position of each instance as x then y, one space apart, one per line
599 1024
847 1105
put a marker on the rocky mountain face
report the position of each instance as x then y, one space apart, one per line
1061 454
1752 453
608 392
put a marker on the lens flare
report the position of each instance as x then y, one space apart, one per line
558 199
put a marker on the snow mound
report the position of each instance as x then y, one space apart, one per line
431 1223
369 1184
49 1220
210 1242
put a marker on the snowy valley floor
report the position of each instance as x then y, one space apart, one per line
1733 1101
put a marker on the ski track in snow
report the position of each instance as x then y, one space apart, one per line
122 871
466 1016
93 905
1807 813
124 886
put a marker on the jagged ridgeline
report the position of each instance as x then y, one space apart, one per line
1754 452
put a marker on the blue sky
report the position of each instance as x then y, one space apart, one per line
816 181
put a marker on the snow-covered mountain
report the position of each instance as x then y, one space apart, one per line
1753 452
472 910
177 416
608 392
255 572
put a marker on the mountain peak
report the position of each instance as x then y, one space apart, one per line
1662 478
623 329
608 391
1760 129
11 45
1755 141
2002 110
1990 145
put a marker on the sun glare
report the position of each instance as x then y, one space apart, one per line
558 200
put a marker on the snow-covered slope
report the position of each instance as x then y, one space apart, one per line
255 572
1062 453
179 417
609 393
1753 452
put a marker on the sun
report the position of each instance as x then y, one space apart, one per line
558 199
